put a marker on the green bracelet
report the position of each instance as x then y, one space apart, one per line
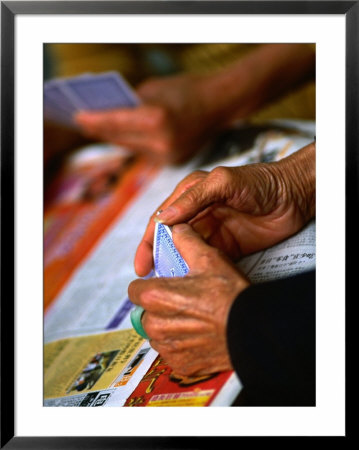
136 320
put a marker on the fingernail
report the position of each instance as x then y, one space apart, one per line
180 228
168 214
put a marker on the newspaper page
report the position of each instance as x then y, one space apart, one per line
82 203
94 299
294 255
89 370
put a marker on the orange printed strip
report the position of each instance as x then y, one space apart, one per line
86 224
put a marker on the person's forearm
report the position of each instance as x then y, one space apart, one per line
264 74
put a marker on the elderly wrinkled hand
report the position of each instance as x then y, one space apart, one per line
180 113
170 125
240 210
185 318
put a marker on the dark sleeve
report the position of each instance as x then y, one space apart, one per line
271 340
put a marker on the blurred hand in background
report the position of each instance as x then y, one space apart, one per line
180 113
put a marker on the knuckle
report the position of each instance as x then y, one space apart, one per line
192 179
209 256
162 350
152 326
132 290
180 365
195 175
169 349
185 370
190 197
222 174
205 260
175 345
147 298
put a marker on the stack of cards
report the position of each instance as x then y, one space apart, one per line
63 97
167 260
167 263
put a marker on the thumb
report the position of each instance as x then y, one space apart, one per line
189 244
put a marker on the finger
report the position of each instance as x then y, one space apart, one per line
146 143
205 224
216 234
179 344
226 242
193 201
164 327
191 247
123 119
119 128
155 146
156 295
143 259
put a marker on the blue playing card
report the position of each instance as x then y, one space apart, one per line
101 92
55 97
167 260
59 107
63 97
167 263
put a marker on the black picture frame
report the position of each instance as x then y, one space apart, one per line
9 10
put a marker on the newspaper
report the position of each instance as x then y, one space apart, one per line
89 316
161 387
88 370
294 255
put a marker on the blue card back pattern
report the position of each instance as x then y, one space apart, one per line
101 92
167 263
167 260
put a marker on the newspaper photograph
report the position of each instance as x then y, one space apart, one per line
108 363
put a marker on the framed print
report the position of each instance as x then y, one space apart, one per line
28 30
